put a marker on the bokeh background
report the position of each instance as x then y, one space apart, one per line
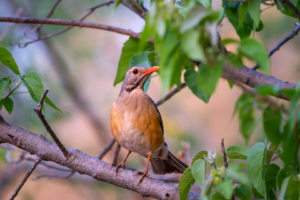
79 68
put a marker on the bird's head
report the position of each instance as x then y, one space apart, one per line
136 77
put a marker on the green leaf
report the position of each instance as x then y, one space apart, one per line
225 188
254 11
283 173
185 183
199 155
266 90
237 152
243 192
4 82
235 60
284 188
7 59
217 196
8 104
141 59
286 9
190 45
230 41
270 177
50 103
33 83
118 2
293 189
270 152
254 50
236 172
242 13
208 77
199 170
193 18
256 166
191 77
1 104
247 120
130 48
272 124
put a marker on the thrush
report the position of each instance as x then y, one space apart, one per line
137 126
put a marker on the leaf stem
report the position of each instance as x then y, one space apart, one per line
11 91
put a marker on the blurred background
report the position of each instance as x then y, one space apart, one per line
79 67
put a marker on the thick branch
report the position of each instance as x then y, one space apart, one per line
85 164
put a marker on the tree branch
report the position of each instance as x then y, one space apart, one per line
282 42
266 100
85 164
244 75
91 10
38 27
38 111
25 179
64 22
224 153
291 6
170 94
106 149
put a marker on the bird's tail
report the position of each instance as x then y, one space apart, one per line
170 165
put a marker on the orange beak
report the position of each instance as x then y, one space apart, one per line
150 70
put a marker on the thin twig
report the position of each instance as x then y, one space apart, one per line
55 176
224 153
38 111
281 7
142 11
38 27
170 94
282 42
106 149
91 10
116 153
266 100
45 164
25 178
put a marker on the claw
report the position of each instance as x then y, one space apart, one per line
118 166
145 173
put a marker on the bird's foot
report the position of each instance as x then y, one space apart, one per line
145 173
118 166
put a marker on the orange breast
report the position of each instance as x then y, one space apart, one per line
135 121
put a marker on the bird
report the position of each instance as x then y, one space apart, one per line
137 126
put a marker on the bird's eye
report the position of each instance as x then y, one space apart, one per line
135 71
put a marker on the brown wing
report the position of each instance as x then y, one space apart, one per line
160 120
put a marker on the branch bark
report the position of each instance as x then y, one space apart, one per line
243 75
85 164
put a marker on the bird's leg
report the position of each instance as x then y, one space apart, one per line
145 173
122 164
